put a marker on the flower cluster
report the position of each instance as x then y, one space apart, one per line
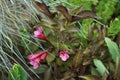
64 55
36 59
39 34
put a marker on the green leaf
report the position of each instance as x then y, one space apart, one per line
117 70
17 73
114 27
41 69
94 71
100 67
33 20
50 58
77 59
106 11
113 49
48 75
89 77
87 3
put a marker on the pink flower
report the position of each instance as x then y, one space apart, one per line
64 55
36 59
39 34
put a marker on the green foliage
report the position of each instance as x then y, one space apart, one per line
48 75
105 9
88 34
50 58
77 59
100 67
114 27
17 73
41 69
14 17
65 29
89 77
117 70
86 3
113 49
83 32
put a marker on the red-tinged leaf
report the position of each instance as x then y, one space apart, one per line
96 46
84 15
48 23
100 34
76 10
64 11
90 33
86 62
61 25
44 9
77 59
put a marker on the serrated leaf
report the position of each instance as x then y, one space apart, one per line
107 11
18 73
64 11
100 67
113 49
114 27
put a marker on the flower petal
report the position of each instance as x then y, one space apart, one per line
63 54
36 59
33 56
43 56
39 34
35 65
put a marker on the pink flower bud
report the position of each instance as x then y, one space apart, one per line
39 34
64 55
36 59
43 56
